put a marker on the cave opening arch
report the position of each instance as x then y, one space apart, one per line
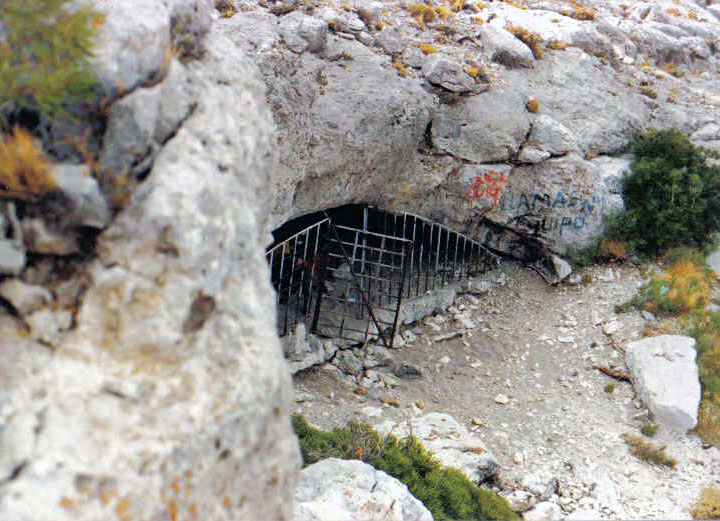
356 272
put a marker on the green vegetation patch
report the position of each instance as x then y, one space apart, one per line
648 451
447 493
45 56
671 194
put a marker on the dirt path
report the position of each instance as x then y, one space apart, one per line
526 375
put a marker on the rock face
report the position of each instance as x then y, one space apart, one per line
168 397
448 136
338 490
665 375
451 444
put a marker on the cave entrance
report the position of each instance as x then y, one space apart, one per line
345 272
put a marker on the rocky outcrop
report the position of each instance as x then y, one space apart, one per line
665 376
165 395
350 489
448 135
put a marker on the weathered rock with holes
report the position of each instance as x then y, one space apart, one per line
665 376
451 444
173 377
335 489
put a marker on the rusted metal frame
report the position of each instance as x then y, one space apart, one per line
399 300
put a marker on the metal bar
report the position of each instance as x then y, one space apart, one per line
341 227
286 241
399 304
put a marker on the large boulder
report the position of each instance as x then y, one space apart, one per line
340 490
169 398
665 376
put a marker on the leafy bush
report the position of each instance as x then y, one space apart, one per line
708 506
671 194
447 493
45 56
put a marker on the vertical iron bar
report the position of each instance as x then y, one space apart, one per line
399 300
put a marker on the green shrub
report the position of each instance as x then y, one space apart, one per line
609 388
45 56
671 194
447 493
649 430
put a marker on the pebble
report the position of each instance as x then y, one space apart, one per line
502 399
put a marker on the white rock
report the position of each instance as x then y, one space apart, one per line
611 327
25 298
341 490
371 412
502 399
520 500
545 511
445 360
665 375
584 515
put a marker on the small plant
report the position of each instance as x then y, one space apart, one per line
24 169
708 505
612 251
226 8
649 430
444 11
427 48
472 71
45 56
533 105
367 18
672 69
529 38
458 5
557 45
447 493
423 12
401 69
609 388
647 90
673 12
583 12
683 287
648 452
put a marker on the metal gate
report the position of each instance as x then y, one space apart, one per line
349 282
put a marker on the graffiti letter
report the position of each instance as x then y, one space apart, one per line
559 200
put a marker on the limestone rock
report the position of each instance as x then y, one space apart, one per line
441 71
303 350
39 237
520 500
303 33
335 489
505 48
451 443
544 511
665 376
46 325
24 298
85 204
178 314
562 267
12 259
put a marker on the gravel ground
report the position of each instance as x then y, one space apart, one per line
523 381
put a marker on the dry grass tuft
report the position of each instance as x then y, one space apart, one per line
24 168
424 13
648 451
671 68
427 48
708 506
556 45
401 69
444 11
528 37
583 12
457 5
533 105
